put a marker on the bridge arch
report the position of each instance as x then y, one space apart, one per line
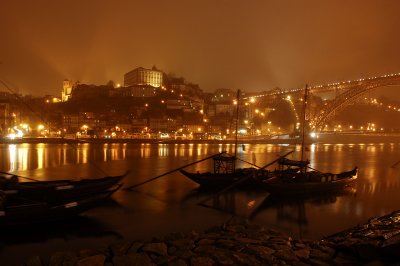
353 91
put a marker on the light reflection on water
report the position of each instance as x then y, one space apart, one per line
169 203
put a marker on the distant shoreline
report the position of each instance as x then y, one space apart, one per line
322 138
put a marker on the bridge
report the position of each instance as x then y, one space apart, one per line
348 92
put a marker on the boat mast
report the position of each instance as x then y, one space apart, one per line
237 122
304 123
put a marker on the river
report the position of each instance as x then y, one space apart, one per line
169 204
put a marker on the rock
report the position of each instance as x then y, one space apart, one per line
96 260
205 241
178 262
320 255
193 235
264 253
236 228
367 251
248 241
318 262
135 247
246 259
157 248
34 261
201 261
286 255
63 259
171 250
225 243
133 259
120 248
303 253
182 253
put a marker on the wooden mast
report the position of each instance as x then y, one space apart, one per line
304 124
237 126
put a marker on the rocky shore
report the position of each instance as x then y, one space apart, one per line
238 242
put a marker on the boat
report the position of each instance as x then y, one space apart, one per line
16 211
309 182
56 190
304 181
225 175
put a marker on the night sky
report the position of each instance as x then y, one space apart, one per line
251 45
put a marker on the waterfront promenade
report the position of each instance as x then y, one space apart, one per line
323 138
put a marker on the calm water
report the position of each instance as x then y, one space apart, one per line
170 203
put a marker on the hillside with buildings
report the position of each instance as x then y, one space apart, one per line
153 104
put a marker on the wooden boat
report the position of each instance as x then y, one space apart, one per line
218 180
209 180
57 190
308 182
18 210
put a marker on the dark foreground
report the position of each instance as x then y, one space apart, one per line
238 242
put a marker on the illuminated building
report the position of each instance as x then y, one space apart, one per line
142 76
67 90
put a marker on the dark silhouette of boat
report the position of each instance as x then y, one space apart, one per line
18 210
57 190
304 182
225 174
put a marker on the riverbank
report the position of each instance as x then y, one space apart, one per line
320 138
238 242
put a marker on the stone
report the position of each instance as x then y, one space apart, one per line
205 241
367 251
133 259
34 261
171 250
201 261
204 249
236 228
96 260
135 247
63 258
182 253
193 235
302 253
178 262
157 248
248 241
318 254
120 248
246 259
286 255
262 252
225 243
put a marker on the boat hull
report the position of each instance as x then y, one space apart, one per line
300 183
26 211
60 190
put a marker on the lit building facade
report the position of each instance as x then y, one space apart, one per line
142 76
67 90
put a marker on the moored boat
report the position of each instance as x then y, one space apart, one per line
18 211
57 190
308 182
